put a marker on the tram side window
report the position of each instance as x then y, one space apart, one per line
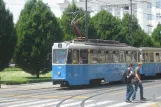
140 58
115 56
101 56
145 57
75 56
69 58
93 57
157 57
160 56
109 57
134 56
128 57
151 57
122 56
84 56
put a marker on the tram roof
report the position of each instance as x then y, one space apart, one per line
108 47
150 49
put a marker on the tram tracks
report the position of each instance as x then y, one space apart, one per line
99 93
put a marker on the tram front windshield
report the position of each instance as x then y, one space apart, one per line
59 56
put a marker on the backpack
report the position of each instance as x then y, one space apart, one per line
124 76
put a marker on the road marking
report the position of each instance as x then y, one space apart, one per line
158 97
125 91
30 103
145 104
119 104
41 96
81 97
74 103
97 104
45 105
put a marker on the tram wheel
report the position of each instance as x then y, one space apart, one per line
158 75
95 82
142 76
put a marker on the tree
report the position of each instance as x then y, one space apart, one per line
71 12
37 30
105 25
156 34
138 37
7 36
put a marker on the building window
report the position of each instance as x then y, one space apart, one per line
158 4
149 5
109 8
158 16
149 17
89 8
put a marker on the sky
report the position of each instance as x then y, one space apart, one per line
15 7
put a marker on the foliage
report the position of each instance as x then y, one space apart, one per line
105 25
156 34
37 30
69 14
138 37
7 36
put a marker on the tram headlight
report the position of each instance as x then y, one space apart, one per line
59 73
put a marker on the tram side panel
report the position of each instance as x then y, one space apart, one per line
58 73
148 69
82 74
77 74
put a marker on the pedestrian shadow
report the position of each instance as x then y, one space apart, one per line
142 101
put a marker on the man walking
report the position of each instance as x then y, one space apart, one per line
139 84
130 89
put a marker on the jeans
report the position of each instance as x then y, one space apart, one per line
129 91
135 90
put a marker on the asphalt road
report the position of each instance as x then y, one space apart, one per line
107 95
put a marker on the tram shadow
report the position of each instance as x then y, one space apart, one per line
92 87
149 79
105 85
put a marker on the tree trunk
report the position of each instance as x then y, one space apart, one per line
37 74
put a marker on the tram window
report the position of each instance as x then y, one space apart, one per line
75 56
128 56
122 56
93 57
84 56
109 57
140 58
160 56
146 59
134 56
151 57
59 56
157 57
69 58
143 57
115 56
101 56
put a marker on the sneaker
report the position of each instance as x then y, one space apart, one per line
133 100
128 101
143 98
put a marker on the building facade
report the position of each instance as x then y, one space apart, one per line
148 12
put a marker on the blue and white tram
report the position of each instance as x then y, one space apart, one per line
151 58
83 63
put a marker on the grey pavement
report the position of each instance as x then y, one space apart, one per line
28 86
